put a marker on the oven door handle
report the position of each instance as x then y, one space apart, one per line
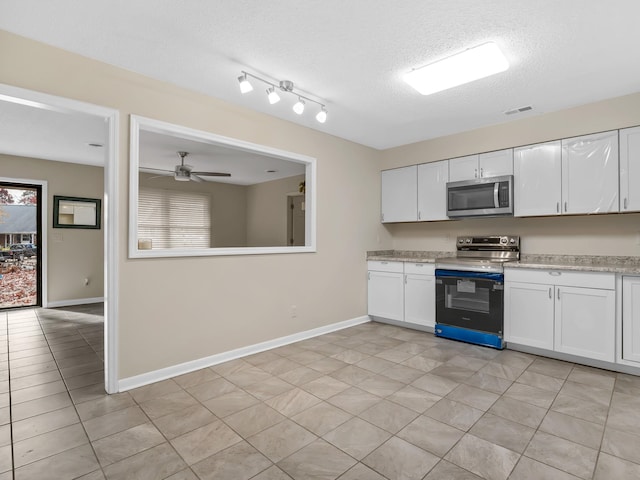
496 277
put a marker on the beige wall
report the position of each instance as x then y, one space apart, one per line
180 309
72 255
614 234
229 207
267 211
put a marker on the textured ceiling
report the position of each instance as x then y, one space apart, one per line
352 54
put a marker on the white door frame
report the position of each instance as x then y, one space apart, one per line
110 211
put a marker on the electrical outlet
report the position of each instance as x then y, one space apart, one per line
294 311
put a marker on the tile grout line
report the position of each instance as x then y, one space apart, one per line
69 395
13 469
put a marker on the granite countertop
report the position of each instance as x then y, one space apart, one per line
584 263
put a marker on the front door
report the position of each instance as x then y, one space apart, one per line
20 245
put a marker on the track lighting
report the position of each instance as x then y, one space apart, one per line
299 106
285 86
272 95
322 115
245 85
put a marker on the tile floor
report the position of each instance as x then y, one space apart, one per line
371 402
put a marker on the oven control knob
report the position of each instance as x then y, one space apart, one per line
468 240
504 240
461 241
512 241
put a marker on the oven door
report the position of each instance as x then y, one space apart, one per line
470 300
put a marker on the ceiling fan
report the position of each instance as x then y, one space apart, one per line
184 173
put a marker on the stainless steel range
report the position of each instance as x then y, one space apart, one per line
470 289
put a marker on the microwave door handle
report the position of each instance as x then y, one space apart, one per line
496 188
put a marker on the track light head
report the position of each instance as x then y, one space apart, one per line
299 106
322 115
272 95
245 85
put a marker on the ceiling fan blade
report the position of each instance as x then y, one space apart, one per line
196 178
156 169
211 174
158 176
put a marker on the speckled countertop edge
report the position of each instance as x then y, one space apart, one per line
584 263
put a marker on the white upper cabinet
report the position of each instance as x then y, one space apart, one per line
590 173
463 168
484 165
399 196
630 169
432 190
496 164
537 186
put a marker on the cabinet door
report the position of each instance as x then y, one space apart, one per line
528 314
630 169
463 168
585 322
432 190
496 164
420 299
590 173
631 318
399 195
537 177
386 295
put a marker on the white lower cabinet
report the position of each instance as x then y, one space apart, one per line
529 314
566 312
402 291
585 322
420 294
386 290
631 319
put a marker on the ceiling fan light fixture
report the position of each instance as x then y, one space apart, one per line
299 106
245 85
182 176
322 115
272 95
472 64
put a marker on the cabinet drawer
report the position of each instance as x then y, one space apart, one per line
561 277
385 266
419 268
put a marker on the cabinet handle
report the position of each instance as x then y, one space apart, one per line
405 279
625 203
419 215
557 207
482 172
558 294
475 173
555 274
368 275
565 206
550 294
382 217
384 263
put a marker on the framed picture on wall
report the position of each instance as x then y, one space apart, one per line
76 212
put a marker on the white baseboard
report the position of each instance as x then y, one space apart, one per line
136 381
77 301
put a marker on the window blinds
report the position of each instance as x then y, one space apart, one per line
174 219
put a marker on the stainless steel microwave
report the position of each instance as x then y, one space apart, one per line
480 197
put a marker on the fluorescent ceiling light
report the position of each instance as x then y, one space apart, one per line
465 67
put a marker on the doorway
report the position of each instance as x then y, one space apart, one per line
37 120
20 245
295 220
